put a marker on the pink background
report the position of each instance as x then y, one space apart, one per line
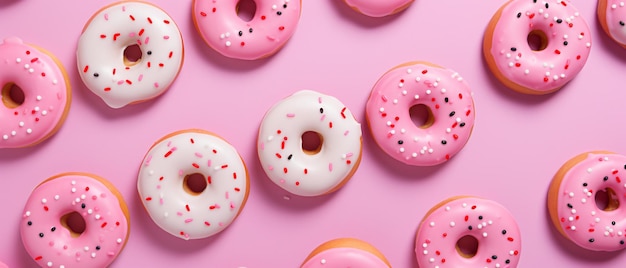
517 145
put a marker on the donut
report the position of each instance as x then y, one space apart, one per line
272 25
35 91
129 52
309 143
612 17
193 183
467 231
445 96
345 252
572 200
75 220
378 8
536 47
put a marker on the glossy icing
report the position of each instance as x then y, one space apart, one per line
100 53
274 22
499 239
51 244
344 257
46 94
443 91
378 8
579 217
568 44
280 143
161 179
615 19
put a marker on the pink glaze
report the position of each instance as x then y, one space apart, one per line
274 22
616 20
581 220
344 257
50 244
443 91
45 91
378 8
568 44
499 240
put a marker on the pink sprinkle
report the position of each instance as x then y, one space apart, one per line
169 143
120 82
330 167
51 243
138 42
147 40
323 116
291 115
270 168
319 99
209 162
282 181
217 206
188 220
349 154
158 186
111 253
186 236
166 37
384 98
173 149
106 16
232 204
227 195
198 154
262 145
180 172
161 201
124 8
179 213
140 77
220 224
346 133
131 34
156 84
148 159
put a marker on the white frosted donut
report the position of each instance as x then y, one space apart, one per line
129 52
303 171
164 181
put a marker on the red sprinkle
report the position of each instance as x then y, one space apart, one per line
141 32
424 71
202 13
148 198
556 51
168 153
103 224
195 165
214 9
278 155
86 68
281 28
171 53
234 175
263 17
166 21
38 258
149 20
208 179
510 238
237 189
115 36
131 17
285 170
187 208
45 208
107 89
207 223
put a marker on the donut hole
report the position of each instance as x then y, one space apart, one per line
194 184
312 142
74 222
607 199
467 246
537 40
12 95
246 9
422 116
132 55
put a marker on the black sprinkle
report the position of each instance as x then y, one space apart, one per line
29 223
519 15
400 142
279 13
503 232
321 110
534 1
289 157
613 222
547 6
446 100
53 229
40 234
469 227
513 49
250 30
507 261
452 113
558 20
565 43
624 166
444 142
480 217
606 178
585 184
591 240
285 6
97 247
494 257
96 74
149 52
462 124
240 33
621 242
83 205
569 205
621 23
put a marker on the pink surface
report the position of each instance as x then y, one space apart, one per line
518 142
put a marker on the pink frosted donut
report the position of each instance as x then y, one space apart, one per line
51 227
345 252
193 184
467 231
129 52
612 17
572 201
442 92
536 47
378 8
274 22
35 94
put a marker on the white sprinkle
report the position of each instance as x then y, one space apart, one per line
403 131
443 90
464 205
49 264
323 261
430 150
228 43
571 194
43 201
93 254
573 228
73 190
400 84
416 96
119 241
425 252
589 170
274 6
18 60
5 137
584 200
29 131
597 219
269 138
452 224
222 36
21 123
432 224
408 71
485 234
404 92
56 197
38 98
44 112
447 208
613 6
381 109
402 149
448 130
511 64
431 260
54 82
424 245
86 248
31 70
508 55
395 101
27 213
588 44
417 79
73 182
26 66
414 155
428 91
570 218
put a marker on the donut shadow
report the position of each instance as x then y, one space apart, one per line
5 3
573 251
363 20
279 196
215 58
608 44
143 226
23 259
15 154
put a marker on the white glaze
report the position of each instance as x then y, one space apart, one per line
101 53
280 136
181 214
